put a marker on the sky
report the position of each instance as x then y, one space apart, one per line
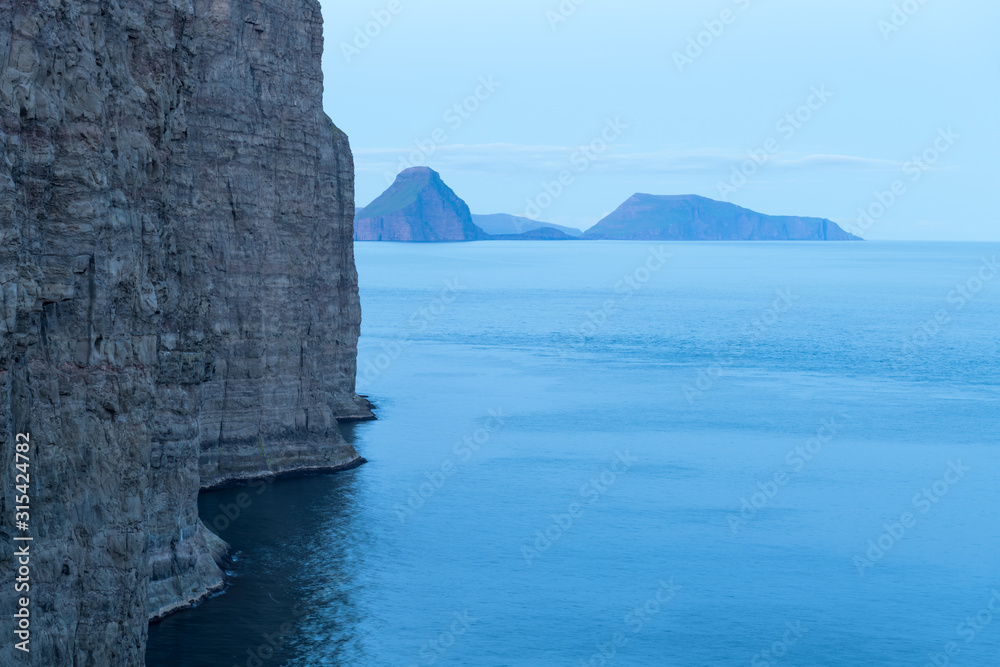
878 114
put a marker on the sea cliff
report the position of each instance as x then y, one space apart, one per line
178 297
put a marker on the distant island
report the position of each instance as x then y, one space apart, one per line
502 224
692 218
420 207
542 233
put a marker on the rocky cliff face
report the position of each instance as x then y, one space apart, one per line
418 206
694 218
178 298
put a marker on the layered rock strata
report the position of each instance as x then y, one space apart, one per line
178 297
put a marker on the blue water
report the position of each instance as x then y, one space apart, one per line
743 454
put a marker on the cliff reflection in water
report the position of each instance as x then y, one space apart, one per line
268 611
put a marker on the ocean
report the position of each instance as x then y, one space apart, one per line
628 453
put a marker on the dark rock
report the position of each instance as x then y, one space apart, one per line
178 297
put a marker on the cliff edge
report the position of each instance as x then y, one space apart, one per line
178 296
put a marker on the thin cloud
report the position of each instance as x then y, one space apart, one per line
548 159
827 160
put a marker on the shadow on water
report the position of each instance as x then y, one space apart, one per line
350 429
268 608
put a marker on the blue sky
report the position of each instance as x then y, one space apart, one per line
893 105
